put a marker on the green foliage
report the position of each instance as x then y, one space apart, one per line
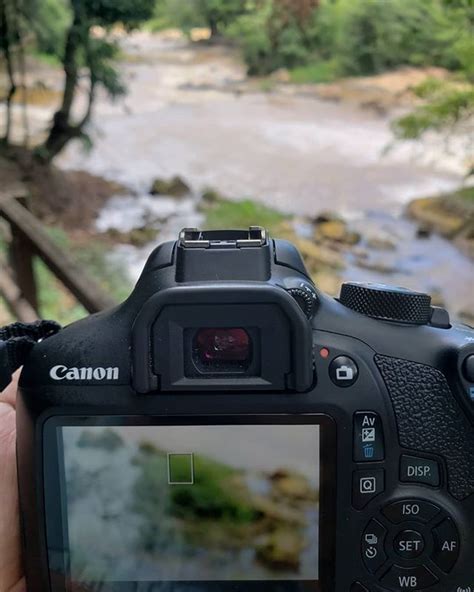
210 497
54 301
448 105
108 12
368 36
242 214
317 71
50 19
355 36
176 13
447 108
215 14
251 32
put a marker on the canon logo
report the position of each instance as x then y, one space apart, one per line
65 373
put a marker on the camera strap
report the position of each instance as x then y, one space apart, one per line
17 341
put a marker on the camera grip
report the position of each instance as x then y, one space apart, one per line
430 419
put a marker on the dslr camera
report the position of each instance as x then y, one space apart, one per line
230 428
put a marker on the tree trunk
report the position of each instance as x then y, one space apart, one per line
5 35
62 130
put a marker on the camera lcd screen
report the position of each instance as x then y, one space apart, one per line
189 507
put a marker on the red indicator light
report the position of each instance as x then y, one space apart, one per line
324 353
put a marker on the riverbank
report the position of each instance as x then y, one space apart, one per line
315 164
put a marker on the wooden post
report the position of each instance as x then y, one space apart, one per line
21 260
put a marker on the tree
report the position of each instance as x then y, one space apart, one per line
219 13
448 105
92 55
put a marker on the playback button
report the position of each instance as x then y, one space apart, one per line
368 437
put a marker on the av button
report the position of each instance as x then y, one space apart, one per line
419 470
368 437
446 549
408 578
409 544
343 371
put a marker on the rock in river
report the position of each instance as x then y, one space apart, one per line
175 187
281 550
336 231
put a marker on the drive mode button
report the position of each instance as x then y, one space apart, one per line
368 437
419 470
373 540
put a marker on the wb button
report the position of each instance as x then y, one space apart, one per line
368 437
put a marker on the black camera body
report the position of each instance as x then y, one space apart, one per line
230 428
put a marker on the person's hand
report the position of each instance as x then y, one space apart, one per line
11 577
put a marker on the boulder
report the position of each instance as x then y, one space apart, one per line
434 214
336 231
381 243
317 256
175 187
293 486
327 216
281 550
281 75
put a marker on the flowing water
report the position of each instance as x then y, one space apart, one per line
190 111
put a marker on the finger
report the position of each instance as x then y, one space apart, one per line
9 394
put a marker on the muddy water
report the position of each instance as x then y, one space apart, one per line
191 112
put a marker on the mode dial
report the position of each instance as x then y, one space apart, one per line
388 303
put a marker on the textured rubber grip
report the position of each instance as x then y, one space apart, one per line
430 419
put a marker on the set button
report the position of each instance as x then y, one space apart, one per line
419 470
409 544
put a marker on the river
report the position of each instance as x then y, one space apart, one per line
191 112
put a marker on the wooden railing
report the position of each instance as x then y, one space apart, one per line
27 240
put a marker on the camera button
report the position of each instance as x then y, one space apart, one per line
409 544
373 539
343 371
400 578
446 549
368 437
411 509
419 470
365 486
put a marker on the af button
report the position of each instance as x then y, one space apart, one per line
446 549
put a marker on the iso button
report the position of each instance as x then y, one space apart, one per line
343 371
